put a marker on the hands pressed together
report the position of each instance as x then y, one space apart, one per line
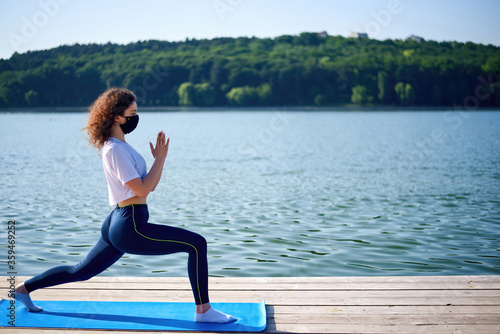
160 151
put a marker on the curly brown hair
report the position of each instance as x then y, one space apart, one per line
111 103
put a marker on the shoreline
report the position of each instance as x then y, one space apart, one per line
80 109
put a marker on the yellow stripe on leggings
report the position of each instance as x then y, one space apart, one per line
180 242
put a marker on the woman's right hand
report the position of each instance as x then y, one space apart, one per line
161 149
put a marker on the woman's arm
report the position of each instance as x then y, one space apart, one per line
143 187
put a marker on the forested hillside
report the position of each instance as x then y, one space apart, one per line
287 70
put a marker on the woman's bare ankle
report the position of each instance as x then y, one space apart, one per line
202 308
21 289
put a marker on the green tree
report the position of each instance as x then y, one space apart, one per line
360 95
202 95
242 96
405 93
320 100
31 98
492 64
382 86
265 94
205 95
246 96
186 94
8 96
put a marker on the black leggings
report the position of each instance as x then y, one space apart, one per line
126 230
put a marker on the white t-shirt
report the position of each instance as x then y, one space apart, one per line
122 163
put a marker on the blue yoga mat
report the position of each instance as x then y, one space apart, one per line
130 316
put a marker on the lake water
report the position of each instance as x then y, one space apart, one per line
275 193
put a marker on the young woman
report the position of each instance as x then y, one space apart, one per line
126 229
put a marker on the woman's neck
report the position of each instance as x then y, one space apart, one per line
117 132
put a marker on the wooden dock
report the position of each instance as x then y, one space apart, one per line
396 304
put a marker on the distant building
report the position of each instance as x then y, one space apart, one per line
415 38
358 35
323 34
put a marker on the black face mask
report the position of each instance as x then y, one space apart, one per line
130 124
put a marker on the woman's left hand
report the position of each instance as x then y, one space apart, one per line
161 149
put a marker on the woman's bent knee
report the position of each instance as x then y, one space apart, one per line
201 243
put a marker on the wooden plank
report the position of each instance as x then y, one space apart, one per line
326 279
382 310
285 283
274 286
330 295
392 319
306 280
369 328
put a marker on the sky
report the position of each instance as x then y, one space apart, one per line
30 25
